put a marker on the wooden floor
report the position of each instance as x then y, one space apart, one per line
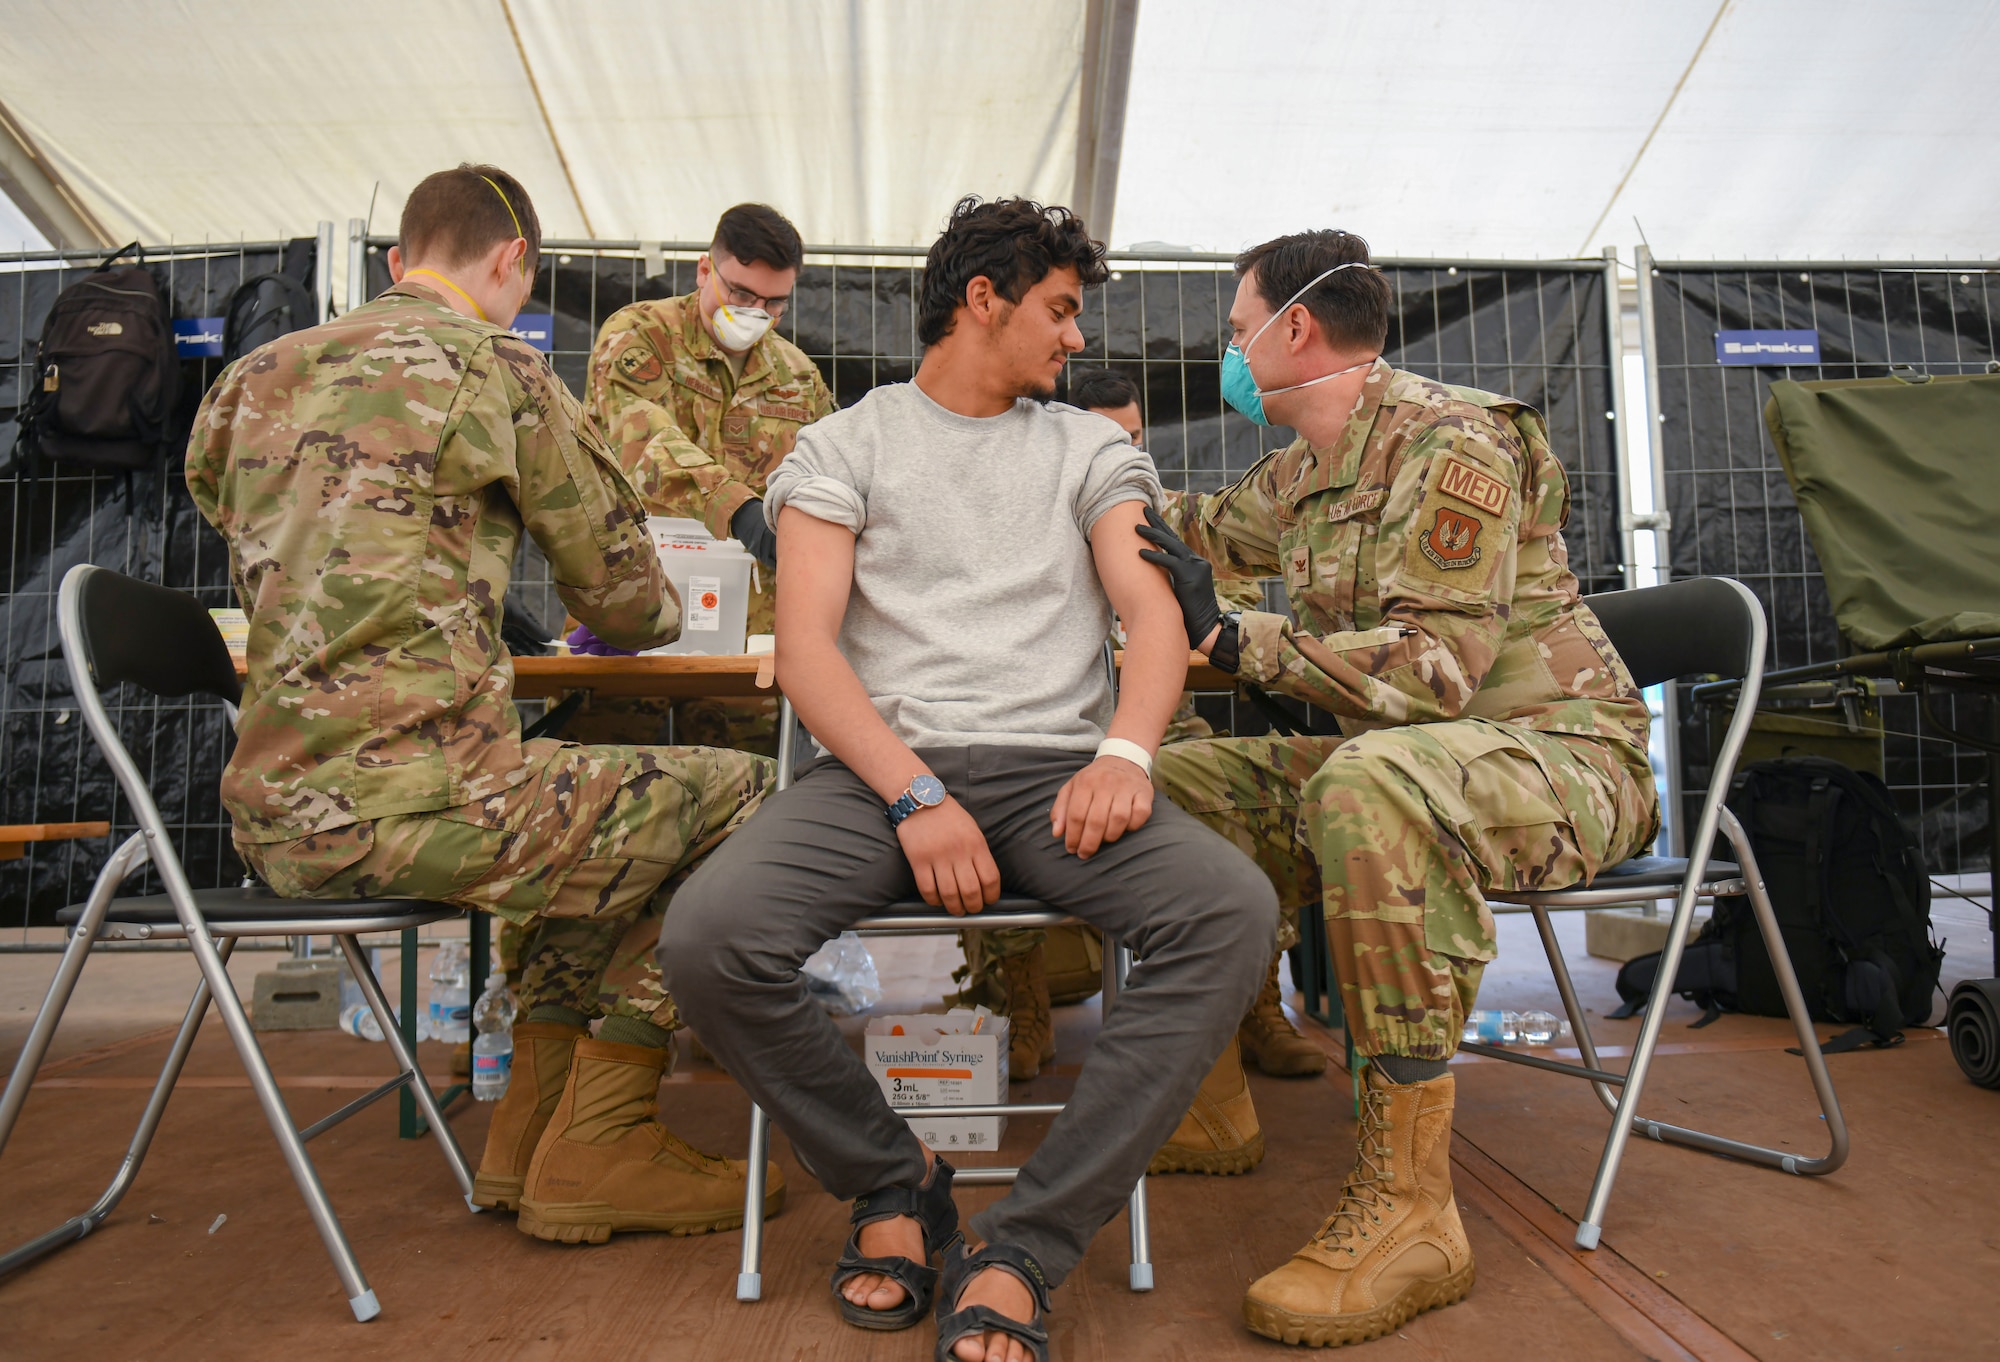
1894 1257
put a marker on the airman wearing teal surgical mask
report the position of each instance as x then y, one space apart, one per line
1490 735
1240 388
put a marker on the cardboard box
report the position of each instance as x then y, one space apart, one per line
299 995
958 1059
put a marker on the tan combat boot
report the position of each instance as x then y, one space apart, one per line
1032 1033
1220 1133
1393 1248
541 1067
1269 1039
605 1164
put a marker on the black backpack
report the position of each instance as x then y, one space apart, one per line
267 306
106 373
1852 898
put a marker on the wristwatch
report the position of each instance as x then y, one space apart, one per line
925 792
1223 655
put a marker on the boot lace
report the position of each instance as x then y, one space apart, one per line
1363 1199
685 1152
1029 1022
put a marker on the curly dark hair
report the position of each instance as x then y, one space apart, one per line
1013 242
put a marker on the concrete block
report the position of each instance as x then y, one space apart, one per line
299 995
1621 933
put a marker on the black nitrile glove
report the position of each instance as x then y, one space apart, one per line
758 539
1192 578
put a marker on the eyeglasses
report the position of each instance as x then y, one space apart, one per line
738 296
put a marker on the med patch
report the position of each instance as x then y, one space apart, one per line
1461 480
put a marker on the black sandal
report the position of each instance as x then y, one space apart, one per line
954 1324
936 1214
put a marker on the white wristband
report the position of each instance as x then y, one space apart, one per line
1130 751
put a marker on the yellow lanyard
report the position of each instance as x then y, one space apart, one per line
454 288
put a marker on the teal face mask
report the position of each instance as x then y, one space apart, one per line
1239 385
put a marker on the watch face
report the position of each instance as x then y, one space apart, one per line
928 790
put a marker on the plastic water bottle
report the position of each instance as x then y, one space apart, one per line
358 1020
451 1001
1541 1028
1491 1027
493 1047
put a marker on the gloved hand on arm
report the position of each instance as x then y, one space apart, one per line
757 538
1191 576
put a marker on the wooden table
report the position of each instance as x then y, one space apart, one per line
683 678
688 678
14 837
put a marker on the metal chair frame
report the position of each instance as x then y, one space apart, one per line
1693 879
918 918
211 942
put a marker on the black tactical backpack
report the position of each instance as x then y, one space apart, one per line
1852 899
267 306
106 373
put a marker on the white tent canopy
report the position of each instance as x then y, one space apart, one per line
1460 128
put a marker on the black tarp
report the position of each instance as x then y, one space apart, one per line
147 526
1536 334
1734 514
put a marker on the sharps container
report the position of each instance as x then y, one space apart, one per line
713 578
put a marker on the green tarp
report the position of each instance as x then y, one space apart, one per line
1899 484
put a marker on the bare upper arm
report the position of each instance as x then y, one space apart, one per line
1135 586
815 575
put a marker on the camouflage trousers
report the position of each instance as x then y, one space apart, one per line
573 857
1395 833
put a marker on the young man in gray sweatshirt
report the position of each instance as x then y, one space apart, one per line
950 551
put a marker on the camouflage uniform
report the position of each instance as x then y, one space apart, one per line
371 477
697 442
1492 737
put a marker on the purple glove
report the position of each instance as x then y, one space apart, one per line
581 640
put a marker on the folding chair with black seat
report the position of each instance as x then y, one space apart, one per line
1701 626
115 629
917 918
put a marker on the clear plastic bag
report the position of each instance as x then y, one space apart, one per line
841 976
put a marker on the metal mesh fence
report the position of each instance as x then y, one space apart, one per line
143 524
1734 513
1537 332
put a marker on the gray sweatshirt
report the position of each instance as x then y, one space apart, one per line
976 615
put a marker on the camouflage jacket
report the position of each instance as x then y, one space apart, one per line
371 477
697 441
1424 560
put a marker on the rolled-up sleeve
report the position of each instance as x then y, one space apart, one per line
817 480
1119 472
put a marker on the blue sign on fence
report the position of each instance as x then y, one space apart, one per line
198 337
537 329
1767 347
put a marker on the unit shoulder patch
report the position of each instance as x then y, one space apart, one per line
640 365
1461 480
1451 541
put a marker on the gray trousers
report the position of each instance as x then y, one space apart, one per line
1197 913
